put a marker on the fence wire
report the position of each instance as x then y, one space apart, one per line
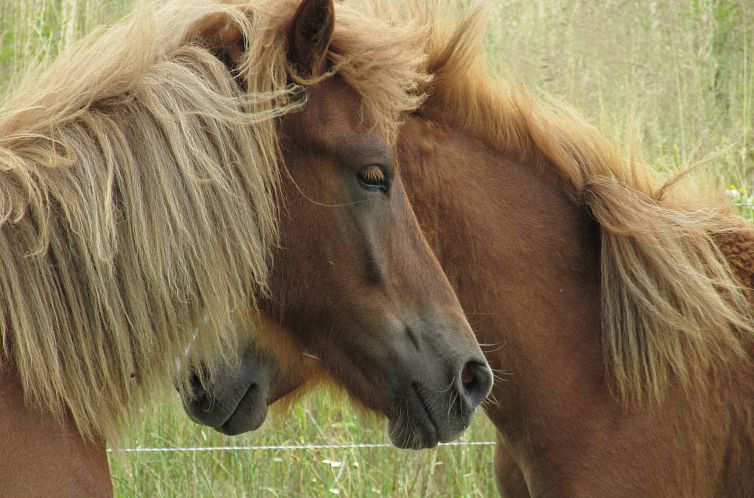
291 447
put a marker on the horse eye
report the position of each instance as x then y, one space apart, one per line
373 177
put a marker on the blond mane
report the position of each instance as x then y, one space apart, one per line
139 194
672 308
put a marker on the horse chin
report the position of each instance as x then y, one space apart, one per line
230 416
417 422
408 435
236 401
248 416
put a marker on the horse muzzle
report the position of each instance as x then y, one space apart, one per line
428 411
234 399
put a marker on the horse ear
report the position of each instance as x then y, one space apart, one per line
310 35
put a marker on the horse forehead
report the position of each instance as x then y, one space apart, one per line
332 115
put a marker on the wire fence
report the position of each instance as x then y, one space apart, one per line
290 447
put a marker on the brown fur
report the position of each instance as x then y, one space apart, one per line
34 439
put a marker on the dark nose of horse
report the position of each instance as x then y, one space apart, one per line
475 379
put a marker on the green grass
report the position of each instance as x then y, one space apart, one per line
676 77
320 419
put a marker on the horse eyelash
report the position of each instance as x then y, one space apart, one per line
373 175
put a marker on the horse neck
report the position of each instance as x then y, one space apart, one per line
738 248
43 456
522 257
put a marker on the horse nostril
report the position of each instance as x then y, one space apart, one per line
476 381
198 394
467 375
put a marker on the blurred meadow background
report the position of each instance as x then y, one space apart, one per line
674 76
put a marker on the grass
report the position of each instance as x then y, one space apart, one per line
675 77
323 418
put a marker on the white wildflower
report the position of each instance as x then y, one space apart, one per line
733 192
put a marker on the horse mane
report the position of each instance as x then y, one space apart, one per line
139 179
672 307
118 164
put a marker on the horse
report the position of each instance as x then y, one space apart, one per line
156 191
618 310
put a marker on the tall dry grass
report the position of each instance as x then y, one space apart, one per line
675 76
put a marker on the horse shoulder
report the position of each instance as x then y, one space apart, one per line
42 455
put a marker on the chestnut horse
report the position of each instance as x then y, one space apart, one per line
621 310
196 165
